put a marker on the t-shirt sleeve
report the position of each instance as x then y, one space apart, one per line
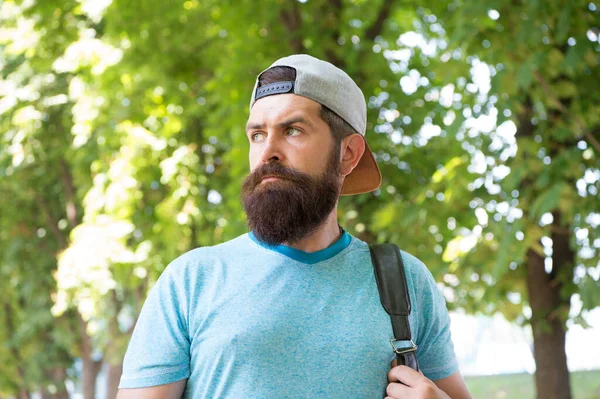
159 349
436 351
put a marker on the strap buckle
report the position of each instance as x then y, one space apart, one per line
403 349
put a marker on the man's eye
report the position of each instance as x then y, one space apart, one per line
256 137
293 131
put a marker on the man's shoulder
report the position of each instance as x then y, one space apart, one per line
414 265
238 244
417 273
203 257
422 279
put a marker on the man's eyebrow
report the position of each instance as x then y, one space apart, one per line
286 123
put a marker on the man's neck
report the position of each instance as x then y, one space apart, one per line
328 233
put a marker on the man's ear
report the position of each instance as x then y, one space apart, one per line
352 149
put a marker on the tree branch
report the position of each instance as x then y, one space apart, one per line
292 22
375 29
559 230
371 33
593 141
332 24
524 126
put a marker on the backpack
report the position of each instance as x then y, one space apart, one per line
393 292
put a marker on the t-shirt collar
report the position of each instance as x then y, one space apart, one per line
308 257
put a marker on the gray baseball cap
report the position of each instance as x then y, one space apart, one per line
330 86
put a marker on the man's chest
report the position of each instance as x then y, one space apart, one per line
282 314
254 335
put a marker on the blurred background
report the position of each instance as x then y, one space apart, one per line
122 146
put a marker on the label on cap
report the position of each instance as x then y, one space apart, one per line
274 88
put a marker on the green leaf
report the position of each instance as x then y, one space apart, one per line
525 76
548 200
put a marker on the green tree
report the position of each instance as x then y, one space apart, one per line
543 240
40 174
123 146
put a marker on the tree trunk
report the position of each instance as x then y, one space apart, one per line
114 377
549 311
59 376
91 367
24 393
112 355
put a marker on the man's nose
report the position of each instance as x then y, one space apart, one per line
272 150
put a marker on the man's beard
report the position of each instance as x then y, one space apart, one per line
289 209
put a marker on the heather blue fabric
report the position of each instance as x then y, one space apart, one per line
243 320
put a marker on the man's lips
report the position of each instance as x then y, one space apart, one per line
269 178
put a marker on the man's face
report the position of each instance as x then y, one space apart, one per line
295 180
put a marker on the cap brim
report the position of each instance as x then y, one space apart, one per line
365 178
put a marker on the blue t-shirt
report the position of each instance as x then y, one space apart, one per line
245 320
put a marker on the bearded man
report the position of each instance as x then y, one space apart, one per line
291 309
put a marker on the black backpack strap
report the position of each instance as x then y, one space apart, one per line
393 291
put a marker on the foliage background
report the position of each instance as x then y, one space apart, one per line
122 146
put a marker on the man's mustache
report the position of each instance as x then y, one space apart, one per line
279 171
